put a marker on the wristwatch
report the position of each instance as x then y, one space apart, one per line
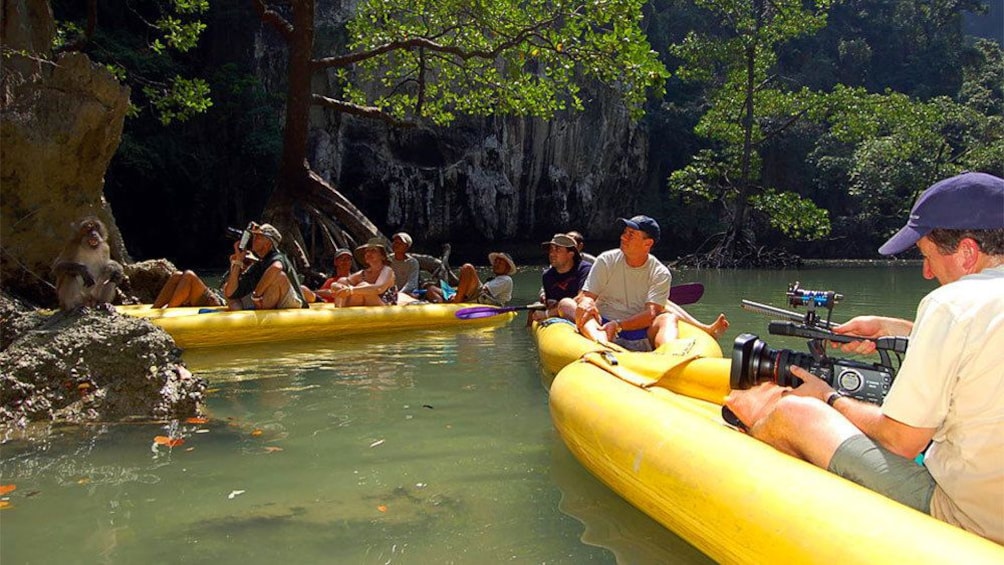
834 397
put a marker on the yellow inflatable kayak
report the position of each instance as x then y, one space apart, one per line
216 326
633 421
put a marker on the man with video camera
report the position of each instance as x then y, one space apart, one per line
949 392
260 277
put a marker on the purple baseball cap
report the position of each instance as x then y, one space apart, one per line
970 201
643 223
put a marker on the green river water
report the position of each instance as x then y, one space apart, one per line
419 447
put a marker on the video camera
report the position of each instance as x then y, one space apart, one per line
754 362
242 236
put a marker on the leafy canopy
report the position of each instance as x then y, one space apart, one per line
435 59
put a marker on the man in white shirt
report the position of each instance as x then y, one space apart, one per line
624 297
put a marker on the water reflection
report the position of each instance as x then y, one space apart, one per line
610 522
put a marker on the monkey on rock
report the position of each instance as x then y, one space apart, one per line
84 271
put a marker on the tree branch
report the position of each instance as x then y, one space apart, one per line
371 112
429 44
274 19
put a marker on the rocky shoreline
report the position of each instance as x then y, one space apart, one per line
89 365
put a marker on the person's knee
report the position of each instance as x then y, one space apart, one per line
664 320
793 411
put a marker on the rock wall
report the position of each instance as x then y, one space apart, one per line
61 123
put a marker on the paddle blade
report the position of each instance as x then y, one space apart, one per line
475 312
686 293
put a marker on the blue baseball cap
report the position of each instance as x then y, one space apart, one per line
642 223
970 201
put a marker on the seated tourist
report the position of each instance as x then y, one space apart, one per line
405 266
343 268
372 286
496 291
623 300
260 277
563 279
580 244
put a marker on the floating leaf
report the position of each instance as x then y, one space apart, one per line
272 449
196 420
256 432
83 480
168 441
5 504
382 508
377 442
235 493
4 489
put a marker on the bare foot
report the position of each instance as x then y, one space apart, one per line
717 329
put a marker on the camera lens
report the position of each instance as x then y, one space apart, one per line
753 362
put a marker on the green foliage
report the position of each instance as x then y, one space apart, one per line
66 32
501 57
139 47
873 151
746 105
792 214
178 34
182 99
900 145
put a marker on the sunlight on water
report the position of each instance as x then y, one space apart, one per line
415 447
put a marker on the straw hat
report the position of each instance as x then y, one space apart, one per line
374 242
505 256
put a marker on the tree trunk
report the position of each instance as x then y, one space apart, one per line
298 188
738 237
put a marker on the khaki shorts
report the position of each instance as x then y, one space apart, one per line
289 300
862 460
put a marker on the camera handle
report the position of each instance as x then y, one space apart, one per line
895 344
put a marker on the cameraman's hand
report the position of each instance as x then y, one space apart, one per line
753 404
870 327
812 386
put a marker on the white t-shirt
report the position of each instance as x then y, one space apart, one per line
405 273
952 379
497 291
622 291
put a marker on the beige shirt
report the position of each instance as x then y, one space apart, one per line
952 379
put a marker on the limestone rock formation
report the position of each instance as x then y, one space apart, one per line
90 365
61 123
